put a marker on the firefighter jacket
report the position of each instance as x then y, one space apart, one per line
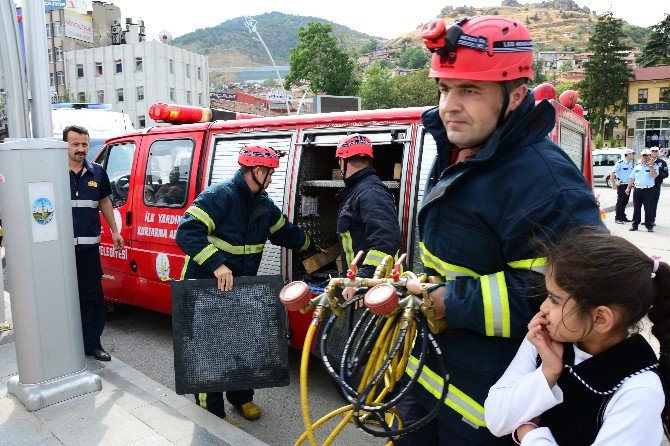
228 224
367 221
479 223
87 188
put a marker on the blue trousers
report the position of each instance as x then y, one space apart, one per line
91 300
643 198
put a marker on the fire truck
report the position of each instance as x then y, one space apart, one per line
156 173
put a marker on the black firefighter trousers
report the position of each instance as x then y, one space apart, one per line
91 300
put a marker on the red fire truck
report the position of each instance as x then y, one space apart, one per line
156 173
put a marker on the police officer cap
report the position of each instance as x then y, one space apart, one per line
654 149
628 151
646 152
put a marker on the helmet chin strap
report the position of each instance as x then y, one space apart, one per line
344 169
503 110
261 186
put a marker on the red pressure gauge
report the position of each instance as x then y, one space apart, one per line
381 299
295 295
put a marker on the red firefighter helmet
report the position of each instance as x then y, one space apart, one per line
544 91
252 156
483 48
354 145
568 98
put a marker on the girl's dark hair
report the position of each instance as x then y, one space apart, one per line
596 268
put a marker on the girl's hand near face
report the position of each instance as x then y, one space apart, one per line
550 351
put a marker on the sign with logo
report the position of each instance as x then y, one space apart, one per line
223 95
163 266
648 107
43 210
50 5
278 97
78 26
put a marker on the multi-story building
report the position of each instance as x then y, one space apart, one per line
649 108
134 76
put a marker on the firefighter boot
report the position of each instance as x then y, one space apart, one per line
250 411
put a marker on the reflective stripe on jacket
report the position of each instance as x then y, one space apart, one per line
228 224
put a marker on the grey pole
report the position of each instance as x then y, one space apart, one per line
36 53
18 124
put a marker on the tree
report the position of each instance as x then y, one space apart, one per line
376 88
413 57
656 49
537 73
318 61
606 76
415 90
369 46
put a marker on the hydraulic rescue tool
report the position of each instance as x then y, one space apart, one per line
372 366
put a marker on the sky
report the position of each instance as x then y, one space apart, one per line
372 17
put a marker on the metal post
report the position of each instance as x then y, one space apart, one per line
36 54
18 124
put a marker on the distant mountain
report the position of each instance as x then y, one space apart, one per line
231 44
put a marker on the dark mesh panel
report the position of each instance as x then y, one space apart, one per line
232 340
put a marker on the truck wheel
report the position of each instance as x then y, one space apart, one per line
608 181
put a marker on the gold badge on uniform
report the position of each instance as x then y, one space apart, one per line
92 183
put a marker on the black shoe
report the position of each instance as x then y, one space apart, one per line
619 222
99 354
650 229
627 220
634 228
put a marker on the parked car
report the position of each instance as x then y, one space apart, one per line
603 163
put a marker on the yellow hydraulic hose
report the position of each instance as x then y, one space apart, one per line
304 361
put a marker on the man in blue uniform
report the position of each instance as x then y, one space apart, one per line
619 180
223 233
642 177
498 186
89 191
662 168
367 220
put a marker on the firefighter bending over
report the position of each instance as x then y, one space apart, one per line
498 184
223 234
367 219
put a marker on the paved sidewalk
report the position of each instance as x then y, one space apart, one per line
131 409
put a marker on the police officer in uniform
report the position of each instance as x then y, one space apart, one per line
619 180
642 177
89 191
662 168
367 219
223 234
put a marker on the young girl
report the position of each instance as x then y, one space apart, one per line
583 376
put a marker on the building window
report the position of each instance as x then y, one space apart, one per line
56 29
59 53
663 95
141 121
101 96
119 94
642 95
172 94
48 28
50 55
140 93
188 97
80 71
138 64
61 77
81 96
199 73
98 68
200 103
52 80
171 66
188 70
119 66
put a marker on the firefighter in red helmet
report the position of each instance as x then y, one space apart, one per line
497 187
223 233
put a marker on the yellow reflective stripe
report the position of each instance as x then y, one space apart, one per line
183 270
202 216
277 226
204 254
539 265
202 398
347 246
235 249
308 242
447 270
496 305
374 257
456 398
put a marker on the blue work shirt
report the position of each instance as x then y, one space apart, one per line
622 170
642 176
87 188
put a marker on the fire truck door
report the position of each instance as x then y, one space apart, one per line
118 160
167 170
